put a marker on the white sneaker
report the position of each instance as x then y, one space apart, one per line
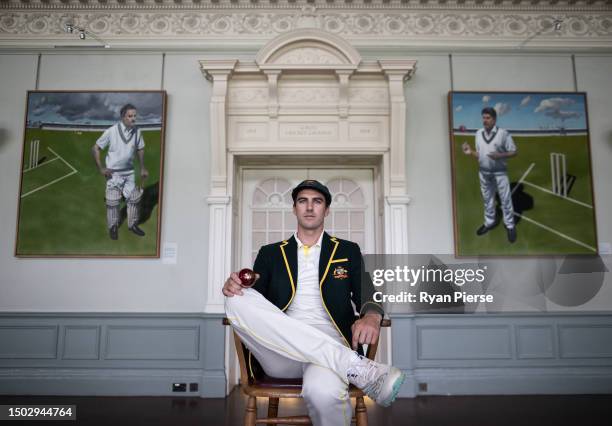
378 381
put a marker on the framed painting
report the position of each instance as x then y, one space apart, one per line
91 174
521 174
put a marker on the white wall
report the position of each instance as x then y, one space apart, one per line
18 74
594 78
538 72
137 285
428 175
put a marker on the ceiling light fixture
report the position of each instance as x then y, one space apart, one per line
70 28
556 27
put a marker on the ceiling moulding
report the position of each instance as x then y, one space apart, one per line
482 5
437 29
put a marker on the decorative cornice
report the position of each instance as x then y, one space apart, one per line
266 24
480 5
197 28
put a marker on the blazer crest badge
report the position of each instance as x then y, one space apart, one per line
340 273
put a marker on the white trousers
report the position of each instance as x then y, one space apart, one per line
288 348
124 181
491 182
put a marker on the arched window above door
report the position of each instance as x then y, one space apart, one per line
347 216
272 212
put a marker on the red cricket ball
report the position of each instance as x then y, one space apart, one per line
247 277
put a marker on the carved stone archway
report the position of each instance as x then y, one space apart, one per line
308 92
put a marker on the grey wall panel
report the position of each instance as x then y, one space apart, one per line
405 331
211 334
28 341
81 342
460 354
463 342
111 354
585 341
535 342
154 342
504 353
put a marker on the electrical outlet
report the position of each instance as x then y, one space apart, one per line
422 387
179 387
193 387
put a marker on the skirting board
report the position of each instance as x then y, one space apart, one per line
523 381
116 382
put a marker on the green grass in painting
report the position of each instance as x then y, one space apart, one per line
62 212
563 226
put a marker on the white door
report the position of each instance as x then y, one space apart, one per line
266 213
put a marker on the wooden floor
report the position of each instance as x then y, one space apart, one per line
574 410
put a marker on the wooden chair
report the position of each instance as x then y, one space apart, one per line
274 388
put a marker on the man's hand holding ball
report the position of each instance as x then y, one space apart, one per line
237 281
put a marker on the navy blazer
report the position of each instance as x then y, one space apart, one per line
342 279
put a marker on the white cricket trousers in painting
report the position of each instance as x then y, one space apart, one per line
491 182
288 348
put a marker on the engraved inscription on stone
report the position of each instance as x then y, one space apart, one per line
364 131
314 131
252 131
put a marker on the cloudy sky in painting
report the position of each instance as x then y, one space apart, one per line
92 107
521 111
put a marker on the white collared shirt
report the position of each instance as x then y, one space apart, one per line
307 304
499 140
120 154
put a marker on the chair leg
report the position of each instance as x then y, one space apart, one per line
272 409
361 412
250 414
